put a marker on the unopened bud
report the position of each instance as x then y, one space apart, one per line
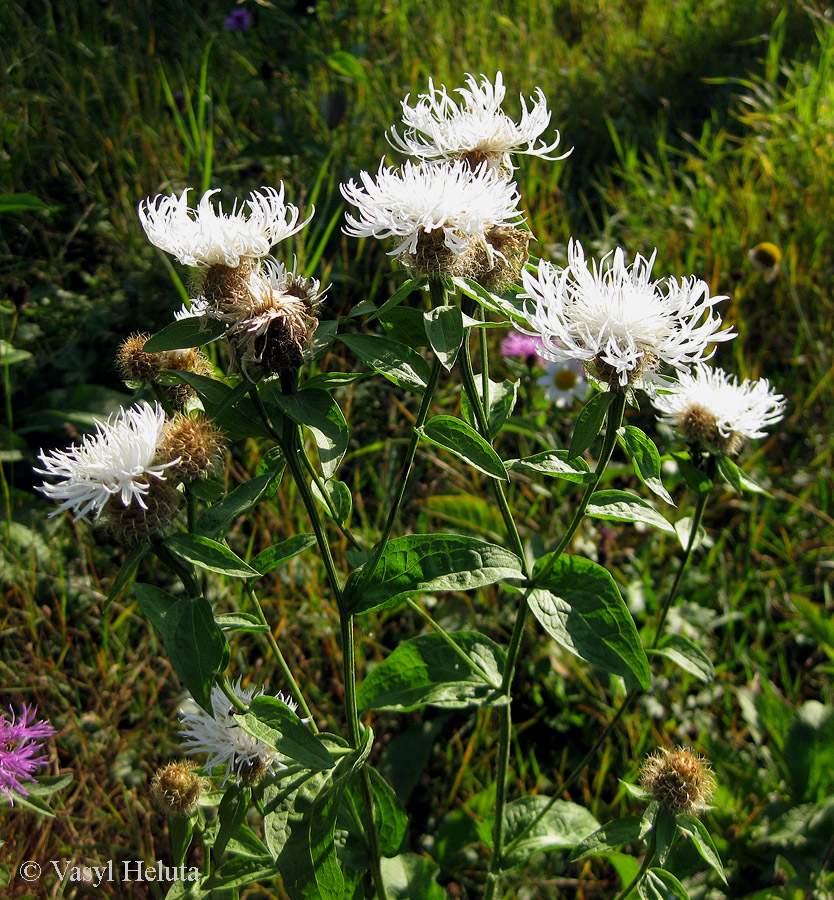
679 780
176 789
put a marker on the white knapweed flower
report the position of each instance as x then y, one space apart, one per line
199 307
116 461
564 382
206 236
476 128
710 406
450 202
618 321
221 738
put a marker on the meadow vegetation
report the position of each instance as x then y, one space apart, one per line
702 129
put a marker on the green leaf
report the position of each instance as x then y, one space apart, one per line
589 423
340 498
658 884
239 621
688 655
665 834
426 671
156 606
422 563
133 557
193 331
230 813
403 291
236 872
277 725
396 361
21 203
444 329
579 606
502 399
329 380
196 647
625 507
317 410
346 64
227 407
695 830
208 554
9 355
696 480
47 785
612 835
273 556
214 522
207 490
645 458
562 827
391 819
737 479
409 877
556 464
464 442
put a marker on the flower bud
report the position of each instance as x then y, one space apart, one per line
135 523
176 789
195 447
679 780
133 364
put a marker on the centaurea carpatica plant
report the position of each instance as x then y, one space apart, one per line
310 807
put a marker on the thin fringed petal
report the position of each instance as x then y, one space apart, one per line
437 127
206 236
116 461
21 749
615 318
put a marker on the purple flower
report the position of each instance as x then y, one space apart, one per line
239 19
20 740
522 345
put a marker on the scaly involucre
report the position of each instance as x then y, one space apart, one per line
422 199
618 321
206 236
221 738
714 398
21 749
116 461
438 127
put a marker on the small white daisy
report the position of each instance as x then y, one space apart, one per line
617 321
118 460
564 382
222 739
449 202
476 129
712 407
206 236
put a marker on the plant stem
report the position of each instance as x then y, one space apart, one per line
648 859
279 657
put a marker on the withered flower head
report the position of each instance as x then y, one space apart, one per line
176 789
679 780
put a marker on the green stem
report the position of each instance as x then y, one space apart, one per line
648 859
279 657
231 696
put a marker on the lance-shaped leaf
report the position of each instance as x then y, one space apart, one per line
208 554
271 721
737 479
273 556
318 411
616 833
214 522
562 827
423 563
192 331
658 884
688 655
307 860
502 399
645 458
338 493
390 816
227 407
579 606
410 876
406 288
589 423
695 830
426 671
396 361
464 442
625 507
235 873
556 464
444 329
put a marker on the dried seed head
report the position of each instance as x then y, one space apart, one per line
133 364
679 780
197 445
189 360
253 772
176 789
133 524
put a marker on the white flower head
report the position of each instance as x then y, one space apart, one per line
710 406
448 206
197 307
206 236
618 321
564 382
476 128
116 461
221 737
